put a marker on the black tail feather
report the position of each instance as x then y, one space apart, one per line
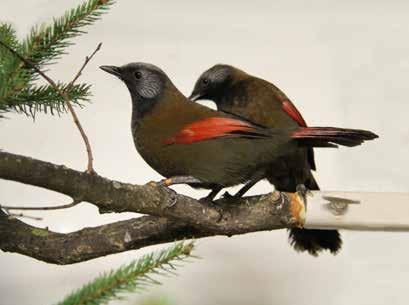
330 136
315 241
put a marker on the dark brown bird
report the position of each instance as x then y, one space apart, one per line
261 102
194 144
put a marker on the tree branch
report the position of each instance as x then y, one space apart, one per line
185 216
248 214
89 243
19 215
45 208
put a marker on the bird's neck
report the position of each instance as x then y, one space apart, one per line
144 111
142 108
234 95
137 115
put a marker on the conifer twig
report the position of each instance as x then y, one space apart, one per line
64 95
43 46
132 277
87 60
43 208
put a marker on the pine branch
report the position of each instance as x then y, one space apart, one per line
45 99
8 36
130 278
11 81
64 95
43 46
46 44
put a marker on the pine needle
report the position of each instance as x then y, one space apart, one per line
135 276
43 46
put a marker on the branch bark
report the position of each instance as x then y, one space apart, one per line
185 216
88 243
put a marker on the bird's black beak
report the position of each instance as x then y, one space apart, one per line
195 96
112 70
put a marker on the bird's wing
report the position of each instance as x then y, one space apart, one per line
293 112
288 106
217 127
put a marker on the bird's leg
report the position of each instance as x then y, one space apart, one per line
176 180
211 195
208 200
245 188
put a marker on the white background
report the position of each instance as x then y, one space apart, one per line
343 63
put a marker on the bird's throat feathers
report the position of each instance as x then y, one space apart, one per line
144 109
141 108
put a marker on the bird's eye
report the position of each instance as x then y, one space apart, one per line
138 75
205 81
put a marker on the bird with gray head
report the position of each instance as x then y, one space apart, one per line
237 92
193 144
176 137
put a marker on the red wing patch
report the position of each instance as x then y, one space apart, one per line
294 113
209 128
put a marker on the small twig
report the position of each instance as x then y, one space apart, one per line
15 215
65 96
59 207
90 168
87 60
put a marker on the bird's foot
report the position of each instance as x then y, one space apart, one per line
175 180
163 182
207 200
227 195
231 198
210 197
302 191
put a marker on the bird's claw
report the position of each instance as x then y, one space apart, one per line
302 190
173 201
231 198
166 182
206 200
163 182
227 195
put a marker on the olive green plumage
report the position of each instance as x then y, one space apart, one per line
255 99
215 149
159 111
